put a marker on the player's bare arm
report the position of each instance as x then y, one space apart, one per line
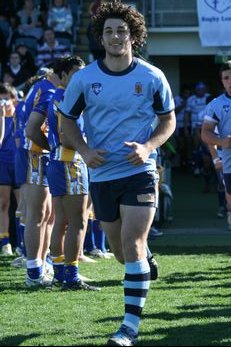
164 130
35 130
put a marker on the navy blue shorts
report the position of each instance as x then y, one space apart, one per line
136 190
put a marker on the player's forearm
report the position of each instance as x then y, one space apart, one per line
162 132
72 137
210 138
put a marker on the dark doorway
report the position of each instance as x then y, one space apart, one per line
200 68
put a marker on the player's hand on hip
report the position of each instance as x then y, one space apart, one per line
139 153
94 157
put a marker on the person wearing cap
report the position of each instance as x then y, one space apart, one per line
195 104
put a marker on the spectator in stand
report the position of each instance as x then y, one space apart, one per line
30 21
27 59
8 78
50 49
60 19
18 72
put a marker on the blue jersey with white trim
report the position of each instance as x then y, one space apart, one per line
118 107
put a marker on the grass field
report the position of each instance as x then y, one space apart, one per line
189 305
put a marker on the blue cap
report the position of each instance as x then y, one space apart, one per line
200 85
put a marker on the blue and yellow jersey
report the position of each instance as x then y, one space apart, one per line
37 100
8 148
58 152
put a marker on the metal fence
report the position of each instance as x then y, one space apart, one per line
167 13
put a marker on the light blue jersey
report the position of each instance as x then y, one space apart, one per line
118 107
196 104
218 111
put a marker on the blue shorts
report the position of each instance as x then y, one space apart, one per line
7 175
67 178
136 190
21 164
31 167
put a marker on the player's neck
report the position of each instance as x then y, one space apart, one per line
117 63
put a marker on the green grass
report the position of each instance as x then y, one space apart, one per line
189 305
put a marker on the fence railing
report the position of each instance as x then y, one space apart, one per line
167 13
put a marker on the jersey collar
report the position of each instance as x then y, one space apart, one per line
130 68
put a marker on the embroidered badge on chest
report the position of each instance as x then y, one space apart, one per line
96 88
138 89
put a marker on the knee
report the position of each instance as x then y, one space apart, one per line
119 257
4 205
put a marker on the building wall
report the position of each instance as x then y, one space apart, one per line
170 67
166 42
182 58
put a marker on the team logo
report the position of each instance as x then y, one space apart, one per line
226 108
138 89
219 6
96 88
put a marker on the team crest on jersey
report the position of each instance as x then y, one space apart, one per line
226 108
138 89
219 6
96 88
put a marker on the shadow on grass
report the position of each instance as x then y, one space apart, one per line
7 286
17 340
5 261
207 311
200 276
217 334
110 283
188 250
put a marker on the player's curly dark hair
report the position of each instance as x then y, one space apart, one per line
115 9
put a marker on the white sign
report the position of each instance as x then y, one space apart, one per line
214 17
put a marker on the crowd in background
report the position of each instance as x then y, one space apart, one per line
33 33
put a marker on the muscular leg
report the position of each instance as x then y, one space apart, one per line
75 209
36 204
128 238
